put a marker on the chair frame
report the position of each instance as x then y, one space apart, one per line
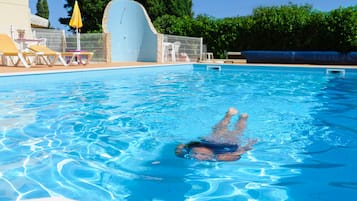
77 56
49 56
11 52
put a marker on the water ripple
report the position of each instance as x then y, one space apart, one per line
349 185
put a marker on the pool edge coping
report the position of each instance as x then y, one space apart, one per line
116 67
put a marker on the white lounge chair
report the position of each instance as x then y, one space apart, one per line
49 56
10 53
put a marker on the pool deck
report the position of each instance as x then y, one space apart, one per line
6 70
44 68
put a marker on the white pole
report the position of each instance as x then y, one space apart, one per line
201 48
78 40
12 31
162 48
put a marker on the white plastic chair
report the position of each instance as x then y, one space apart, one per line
175 50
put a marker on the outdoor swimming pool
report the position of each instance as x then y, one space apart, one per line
111 134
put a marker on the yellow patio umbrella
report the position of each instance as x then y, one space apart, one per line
76 22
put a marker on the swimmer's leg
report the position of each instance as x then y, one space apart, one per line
241 124
221 127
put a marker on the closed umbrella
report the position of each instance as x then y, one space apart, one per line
76 22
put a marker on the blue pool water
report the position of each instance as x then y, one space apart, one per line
111 134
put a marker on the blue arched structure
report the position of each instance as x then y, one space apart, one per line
133 37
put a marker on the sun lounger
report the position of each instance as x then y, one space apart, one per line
62 56
78 57
9 51
49 56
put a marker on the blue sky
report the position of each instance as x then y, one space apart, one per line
214 8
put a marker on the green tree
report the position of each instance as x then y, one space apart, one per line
286 27
317 30
180 8
159 8
42 9
342 29
154 8
173 25
279 25
92 14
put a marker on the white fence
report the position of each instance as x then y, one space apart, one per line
181 48
59 41
173 49
55 39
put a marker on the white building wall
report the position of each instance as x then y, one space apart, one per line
15 14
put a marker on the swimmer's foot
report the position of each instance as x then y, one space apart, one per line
243 116
221 127
232 111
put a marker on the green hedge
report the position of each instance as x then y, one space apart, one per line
287 27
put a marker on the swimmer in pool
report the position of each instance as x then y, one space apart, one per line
221 145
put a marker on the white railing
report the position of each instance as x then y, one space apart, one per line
59 41
181 48
173 49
